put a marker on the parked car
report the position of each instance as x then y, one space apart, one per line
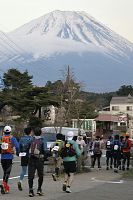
49 139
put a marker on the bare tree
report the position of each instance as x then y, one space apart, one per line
68 94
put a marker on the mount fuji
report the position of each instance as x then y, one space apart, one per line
99 57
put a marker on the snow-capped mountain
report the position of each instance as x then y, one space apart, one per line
99 57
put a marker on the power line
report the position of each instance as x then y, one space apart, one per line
14 48
10 47
10 42
9 39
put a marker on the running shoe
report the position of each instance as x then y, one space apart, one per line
20 186
68 190
31 193
64 187
40 193
54 177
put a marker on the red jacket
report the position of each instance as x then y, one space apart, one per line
127 149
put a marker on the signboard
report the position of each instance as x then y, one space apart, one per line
122 118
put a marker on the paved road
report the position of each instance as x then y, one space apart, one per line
94 185
103 192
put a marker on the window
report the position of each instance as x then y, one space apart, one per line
129 108
122 124
116 108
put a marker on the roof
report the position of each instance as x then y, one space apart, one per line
122 100
107 118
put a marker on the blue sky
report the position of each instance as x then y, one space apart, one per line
116 14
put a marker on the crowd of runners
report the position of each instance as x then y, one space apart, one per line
70 151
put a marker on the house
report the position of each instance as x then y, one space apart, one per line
117 117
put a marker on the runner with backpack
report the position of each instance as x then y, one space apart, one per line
24 146
116 152
7 151
56 151
97 152
69 153
126 147
37 155
109 153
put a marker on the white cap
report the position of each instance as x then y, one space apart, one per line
69 135
7 129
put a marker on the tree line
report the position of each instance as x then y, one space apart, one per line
26 100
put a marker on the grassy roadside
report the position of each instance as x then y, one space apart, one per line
128 174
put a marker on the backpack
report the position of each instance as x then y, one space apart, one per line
68 150
97 149
6 146
116 146
36 148
24 144
108 145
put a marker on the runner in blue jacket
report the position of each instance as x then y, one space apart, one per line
7 151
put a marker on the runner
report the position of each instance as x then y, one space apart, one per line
97 152
24 146
116 152
69 153
109 153
56 150
126 147
36 161
8 142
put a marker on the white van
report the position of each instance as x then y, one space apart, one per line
64 130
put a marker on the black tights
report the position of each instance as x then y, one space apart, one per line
35 164
6 166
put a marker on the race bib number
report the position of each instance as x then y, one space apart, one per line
116 147
108 143
4 146
56 148
22 154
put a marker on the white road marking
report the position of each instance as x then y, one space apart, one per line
11 178
103 181
16 161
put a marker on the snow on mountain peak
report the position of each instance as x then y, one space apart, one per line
77 26
43 46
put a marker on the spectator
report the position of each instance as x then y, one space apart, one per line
80 160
